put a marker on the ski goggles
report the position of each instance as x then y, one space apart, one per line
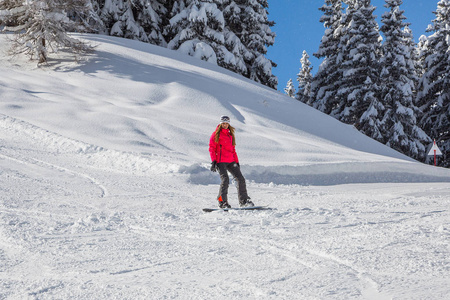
224 119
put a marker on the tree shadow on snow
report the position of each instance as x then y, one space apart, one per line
133 69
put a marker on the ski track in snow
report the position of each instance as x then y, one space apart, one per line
49 166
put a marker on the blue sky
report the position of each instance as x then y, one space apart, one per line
298 28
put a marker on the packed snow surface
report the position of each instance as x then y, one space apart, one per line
104 170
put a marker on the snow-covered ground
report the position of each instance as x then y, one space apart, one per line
104 169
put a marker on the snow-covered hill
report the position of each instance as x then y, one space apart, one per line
104 171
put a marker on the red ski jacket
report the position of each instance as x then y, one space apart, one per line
223 151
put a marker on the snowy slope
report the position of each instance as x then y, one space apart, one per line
104 169
139 98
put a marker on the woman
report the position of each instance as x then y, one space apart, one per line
224 159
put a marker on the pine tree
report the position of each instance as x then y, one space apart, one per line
434 86
421 53
142 20
151 16
42 25
197 28
127 26
110 12
87 15
323 86
359 88
399 79
233 13
8 13
289 89
127 19
173 8
248 35
304 79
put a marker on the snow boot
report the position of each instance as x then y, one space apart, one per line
223 203
246 203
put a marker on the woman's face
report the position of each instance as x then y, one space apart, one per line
225 125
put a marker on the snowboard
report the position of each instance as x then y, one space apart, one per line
238 208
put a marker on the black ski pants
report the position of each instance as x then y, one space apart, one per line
234 169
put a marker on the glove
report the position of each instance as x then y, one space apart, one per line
238 165
214 166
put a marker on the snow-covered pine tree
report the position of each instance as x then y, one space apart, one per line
88 16
197 28
323 86
289 89
434 86
248 34
151 16
132 19
109 12
421 53
413 47
359 88
233 31
398 81
370 122
8 15
304 79
41 25
173 8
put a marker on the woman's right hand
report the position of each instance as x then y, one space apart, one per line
214 166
